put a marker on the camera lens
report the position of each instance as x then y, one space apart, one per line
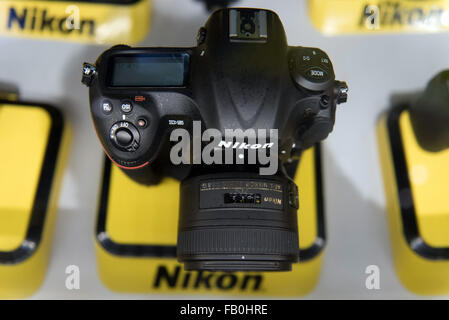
238 222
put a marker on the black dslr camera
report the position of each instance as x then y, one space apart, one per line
243 77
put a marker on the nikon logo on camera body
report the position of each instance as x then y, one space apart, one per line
255 142
176 278
358 16
75 21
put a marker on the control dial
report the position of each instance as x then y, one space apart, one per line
124 136
311 68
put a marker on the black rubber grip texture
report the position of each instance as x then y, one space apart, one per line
238 241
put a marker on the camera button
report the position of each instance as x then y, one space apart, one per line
106 107
124 137
316 74
142 123
201 36
126 106
325 62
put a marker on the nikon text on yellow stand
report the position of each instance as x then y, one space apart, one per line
136 241
379 16
80 21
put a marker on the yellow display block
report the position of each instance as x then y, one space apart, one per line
34 149
379 16
137 231
416 185
96 21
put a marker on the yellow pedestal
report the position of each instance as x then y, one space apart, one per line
31 165
137 231
417 189
379 16
101 22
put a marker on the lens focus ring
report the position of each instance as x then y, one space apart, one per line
238 241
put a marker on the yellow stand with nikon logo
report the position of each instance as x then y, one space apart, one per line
379 16
137 231
416 185
34 144
111 21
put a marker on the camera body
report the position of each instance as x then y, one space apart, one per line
241 75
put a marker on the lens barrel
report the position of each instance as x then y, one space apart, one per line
238 222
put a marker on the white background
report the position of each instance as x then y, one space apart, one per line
375 67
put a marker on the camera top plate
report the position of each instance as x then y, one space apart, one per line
241 74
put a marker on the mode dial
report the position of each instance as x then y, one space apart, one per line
124 136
